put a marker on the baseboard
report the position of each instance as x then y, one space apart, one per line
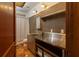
21 42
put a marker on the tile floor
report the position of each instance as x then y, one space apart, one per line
22 51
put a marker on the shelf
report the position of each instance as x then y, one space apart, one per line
58 8
54 16
47 51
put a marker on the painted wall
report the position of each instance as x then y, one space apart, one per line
22 27
19 27
26 27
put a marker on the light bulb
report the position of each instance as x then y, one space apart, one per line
34 11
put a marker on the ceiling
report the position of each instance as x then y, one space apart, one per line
27 6
20 4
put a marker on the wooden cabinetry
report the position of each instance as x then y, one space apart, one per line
7 28
72 29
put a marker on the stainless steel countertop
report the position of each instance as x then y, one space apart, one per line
45 38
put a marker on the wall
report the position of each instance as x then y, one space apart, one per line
72 30
54 22
22 27
19 27
7 28
26 27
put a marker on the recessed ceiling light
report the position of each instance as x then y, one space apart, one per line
43 5
34 11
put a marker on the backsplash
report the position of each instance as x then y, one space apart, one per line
55 22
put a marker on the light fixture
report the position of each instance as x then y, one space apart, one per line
43 6
34 11
20 4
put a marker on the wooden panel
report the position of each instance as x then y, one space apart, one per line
59 7
10 52
72 29
7 30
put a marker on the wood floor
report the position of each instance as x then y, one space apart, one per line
22 51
